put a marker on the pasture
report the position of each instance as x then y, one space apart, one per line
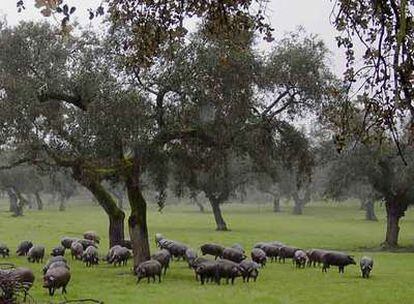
329 226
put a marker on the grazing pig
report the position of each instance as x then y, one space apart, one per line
56 278
24 248
212 249
120 256
227 269
25 277
207 271
76 250
197 261
52 260
234 255
149 269
59 264
315 256
249 269
163 257
86 243
90 256
190 256
165 244
4 251
177 250
259 256
238 247
286 252
339 259
259 245
59 250
300 258
111 252
92 235
366 264
271 251
36 254
68 241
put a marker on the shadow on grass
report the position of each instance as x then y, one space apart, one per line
402 249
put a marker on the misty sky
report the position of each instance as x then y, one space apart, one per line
285 15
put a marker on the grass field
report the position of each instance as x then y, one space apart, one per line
322 226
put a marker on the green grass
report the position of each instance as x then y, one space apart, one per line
322 226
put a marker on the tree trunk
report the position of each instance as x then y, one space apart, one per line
220 223
62 203
199 205
276 203
116 216
370 211
395 211
14 203
298 207
137 222
39 201
104 199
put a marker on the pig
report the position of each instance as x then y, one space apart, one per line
59 250
67 242
52 260
259 256
271 251
59 264
238 247
339 259
92 235
300 258
227 269
249 269
149 269
86 243
190 256
212 249
56 278
111 252
25 277
315 256
366 264
36 254
76 250
163 257
24 248
286 252
90 256
4 250
234 255
206 271
120 256
177 250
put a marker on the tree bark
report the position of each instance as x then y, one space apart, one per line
104 199
137 221
218 217
370 211
39 201
14 203
199 205
276 203
62 203
298 207
395 211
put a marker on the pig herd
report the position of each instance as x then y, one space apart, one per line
226 263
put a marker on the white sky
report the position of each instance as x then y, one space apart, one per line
285 16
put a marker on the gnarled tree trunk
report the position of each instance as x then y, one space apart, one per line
369 207
218 217
15 207
39 201
395 211
104 199
276 203
137 221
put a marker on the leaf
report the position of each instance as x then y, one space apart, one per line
40 3
65 9
72 10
